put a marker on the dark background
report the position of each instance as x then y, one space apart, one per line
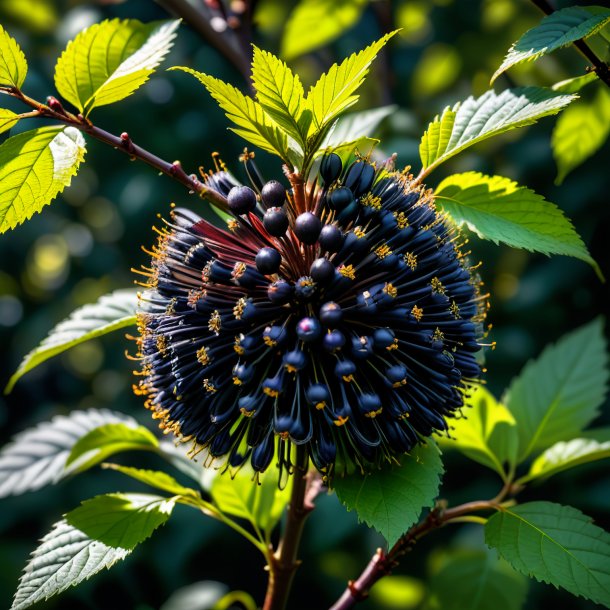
86 242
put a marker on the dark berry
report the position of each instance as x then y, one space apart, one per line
331 313
275 221
241 199
273 194
359 177
331 238
340 198
333 340
279 292
322 270
330 168
307 227
308 329
268 260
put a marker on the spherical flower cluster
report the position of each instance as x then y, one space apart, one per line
343 319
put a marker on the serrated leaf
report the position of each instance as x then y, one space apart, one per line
500 210
574 85
554 544
280 92
391 499
121 520
65 557
262 503
37 456
111 312
155 478
314 23
253 124
108 61
35 166
475 120
13 66
356 125
478 580
334 92
104 441
565 455
8 119
486 432
559 29
558 394
580 131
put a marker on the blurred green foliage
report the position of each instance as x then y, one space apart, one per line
85 244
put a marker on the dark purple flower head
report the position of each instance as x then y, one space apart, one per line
351 332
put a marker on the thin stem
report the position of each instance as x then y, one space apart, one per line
599 67
55 111
382 564
222 41
284 562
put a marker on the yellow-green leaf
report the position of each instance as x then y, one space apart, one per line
314 23
580 131
335 89
7 119
13 66
567 454
35 166
498 209
486 432
556 30
280 93
110 60
253 123
475 120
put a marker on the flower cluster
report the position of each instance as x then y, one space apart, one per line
341 317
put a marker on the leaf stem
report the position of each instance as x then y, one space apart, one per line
382 563
54 110
284 563
599 67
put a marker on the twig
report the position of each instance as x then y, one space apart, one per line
284 562
599 67
54 110
382 564
222 41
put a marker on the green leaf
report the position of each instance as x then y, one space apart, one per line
37 456
262 503
155 478
13 66
392 498
556 30
335 90
314 23
580 131
574 85
7 119
104 441
280 93
108 61
111 312
121 520
500 210
558 395
564 455
478 580
475 120
35 167
253 124
554 544
354 126
65 558
486 433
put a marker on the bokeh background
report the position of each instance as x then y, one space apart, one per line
86 242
